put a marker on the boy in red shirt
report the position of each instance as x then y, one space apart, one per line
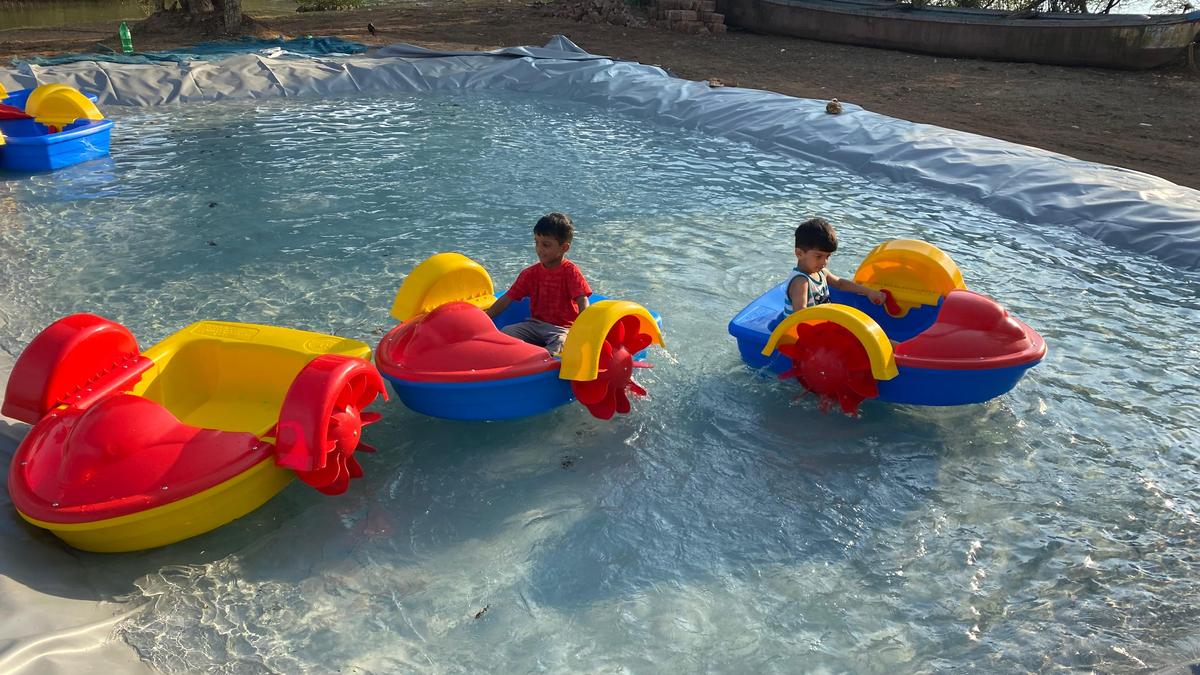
555 287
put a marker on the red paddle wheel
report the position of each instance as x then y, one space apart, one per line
606 394
830 362
320 424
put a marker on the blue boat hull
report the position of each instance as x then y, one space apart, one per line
941 387
488 400
29 148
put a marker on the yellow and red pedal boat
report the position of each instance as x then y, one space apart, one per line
130 450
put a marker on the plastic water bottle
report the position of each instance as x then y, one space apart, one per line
126 38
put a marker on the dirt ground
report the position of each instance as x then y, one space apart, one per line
1148 121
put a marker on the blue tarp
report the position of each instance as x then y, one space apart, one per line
210 51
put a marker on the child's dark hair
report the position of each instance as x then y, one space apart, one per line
816 233
557 225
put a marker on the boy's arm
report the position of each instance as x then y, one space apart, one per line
499 306
578 285
798 292
849 286
518 291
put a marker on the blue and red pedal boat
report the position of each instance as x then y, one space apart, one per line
448 359
932 343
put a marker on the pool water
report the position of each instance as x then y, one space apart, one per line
727 525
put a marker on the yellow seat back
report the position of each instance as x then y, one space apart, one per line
915 272
57 105
442 278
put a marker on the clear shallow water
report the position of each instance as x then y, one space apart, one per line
725 526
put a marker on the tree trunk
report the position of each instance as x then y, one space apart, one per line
224 16
231 14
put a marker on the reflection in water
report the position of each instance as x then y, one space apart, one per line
35 14
726 525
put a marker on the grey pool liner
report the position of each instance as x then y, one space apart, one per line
1123 208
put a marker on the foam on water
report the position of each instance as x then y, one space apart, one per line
725 526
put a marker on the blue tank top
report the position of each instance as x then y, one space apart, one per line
818 289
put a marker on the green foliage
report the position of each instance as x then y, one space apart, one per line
1174 6
327 5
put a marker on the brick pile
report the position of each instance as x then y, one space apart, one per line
688 16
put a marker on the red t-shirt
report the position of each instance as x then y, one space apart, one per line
551 291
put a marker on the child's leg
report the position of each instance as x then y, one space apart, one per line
538 333
525 331
556 336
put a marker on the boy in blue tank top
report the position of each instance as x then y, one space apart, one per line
809 284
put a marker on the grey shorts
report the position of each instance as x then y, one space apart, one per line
539 333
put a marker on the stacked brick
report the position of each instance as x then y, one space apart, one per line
688 16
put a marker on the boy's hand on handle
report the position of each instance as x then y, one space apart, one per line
498 307
877 297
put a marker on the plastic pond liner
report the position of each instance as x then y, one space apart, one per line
1056 522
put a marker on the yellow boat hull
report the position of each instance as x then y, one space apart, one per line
177 520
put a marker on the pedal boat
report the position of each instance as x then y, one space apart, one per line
51 127
130 450
953 346
448 359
